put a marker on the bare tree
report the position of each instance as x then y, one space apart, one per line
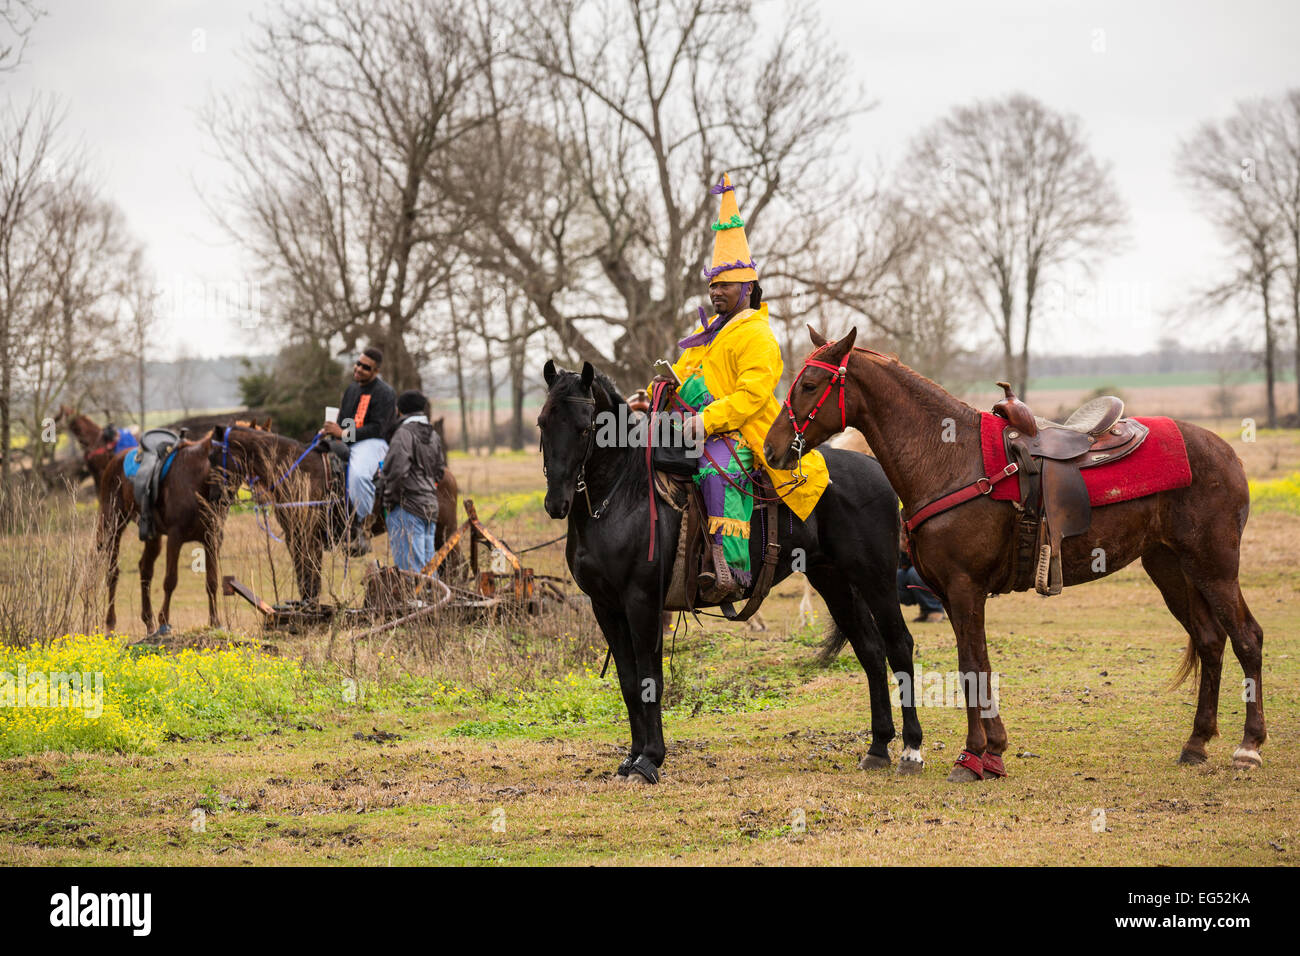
331 170
74 329
1275 165
609 120
140 318
886 264
1017 194
26 152
1221 164
17 18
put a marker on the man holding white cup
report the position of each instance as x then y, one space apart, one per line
364 413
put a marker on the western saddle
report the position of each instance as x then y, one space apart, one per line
1053 501
700 571
152 459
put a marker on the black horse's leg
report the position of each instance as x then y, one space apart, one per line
645 623
853 618
882 603
613 624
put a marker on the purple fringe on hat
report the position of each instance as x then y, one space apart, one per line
728 266
719 189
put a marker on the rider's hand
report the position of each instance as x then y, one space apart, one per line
662 379
332 429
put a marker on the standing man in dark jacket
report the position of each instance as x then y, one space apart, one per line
365 412
412 469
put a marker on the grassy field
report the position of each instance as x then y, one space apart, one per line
495 745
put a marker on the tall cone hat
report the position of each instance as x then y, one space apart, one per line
731 259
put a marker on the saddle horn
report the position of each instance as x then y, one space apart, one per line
1015 411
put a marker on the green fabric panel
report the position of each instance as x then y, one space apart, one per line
693 391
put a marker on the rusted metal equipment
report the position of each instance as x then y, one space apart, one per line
498 582
290 616
504 580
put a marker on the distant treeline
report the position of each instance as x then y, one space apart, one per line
1169 358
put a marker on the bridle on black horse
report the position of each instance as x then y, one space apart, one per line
590 432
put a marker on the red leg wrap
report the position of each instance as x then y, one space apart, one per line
972 763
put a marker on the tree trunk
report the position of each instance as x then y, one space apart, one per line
460 386
1270 349
140 383
517 398
492 394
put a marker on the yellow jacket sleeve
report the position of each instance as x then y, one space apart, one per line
757 359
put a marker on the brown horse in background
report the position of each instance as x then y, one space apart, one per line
1189 539
90 436
290 479
190 507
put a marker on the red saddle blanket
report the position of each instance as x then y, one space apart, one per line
1159 464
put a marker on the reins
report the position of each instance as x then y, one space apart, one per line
262 506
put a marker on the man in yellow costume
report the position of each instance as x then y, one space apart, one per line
729 370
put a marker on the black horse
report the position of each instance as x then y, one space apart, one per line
849 553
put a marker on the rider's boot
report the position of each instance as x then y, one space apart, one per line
717 585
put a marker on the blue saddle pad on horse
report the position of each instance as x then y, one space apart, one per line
131 464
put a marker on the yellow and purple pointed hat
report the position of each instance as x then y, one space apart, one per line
731 259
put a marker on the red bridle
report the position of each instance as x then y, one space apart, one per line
838 375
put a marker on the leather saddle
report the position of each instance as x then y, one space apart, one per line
151 462
673 481
696 556
1053 498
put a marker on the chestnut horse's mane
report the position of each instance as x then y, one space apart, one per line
933 388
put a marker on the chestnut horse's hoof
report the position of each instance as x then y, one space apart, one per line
1191 757
993 766
968 769
874 762
1246 759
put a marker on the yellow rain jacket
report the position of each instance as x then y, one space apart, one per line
742 366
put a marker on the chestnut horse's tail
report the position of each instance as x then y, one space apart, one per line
1189 665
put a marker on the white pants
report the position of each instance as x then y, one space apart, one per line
364 460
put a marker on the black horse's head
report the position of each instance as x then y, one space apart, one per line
567 422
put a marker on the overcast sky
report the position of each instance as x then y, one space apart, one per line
132 74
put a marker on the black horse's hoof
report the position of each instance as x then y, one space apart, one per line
625 767
643 770
874 762
908 766
163 631
1191 757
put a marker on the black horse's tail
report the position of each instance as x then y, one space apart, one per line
832 645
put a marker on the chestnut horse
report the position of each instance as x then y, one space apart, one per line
190 507
1189 539
290 478
95 454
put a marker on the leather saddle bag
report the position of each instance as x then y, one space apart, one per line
673 457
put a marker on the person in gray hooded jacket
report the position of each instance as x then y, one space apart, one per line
412 469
